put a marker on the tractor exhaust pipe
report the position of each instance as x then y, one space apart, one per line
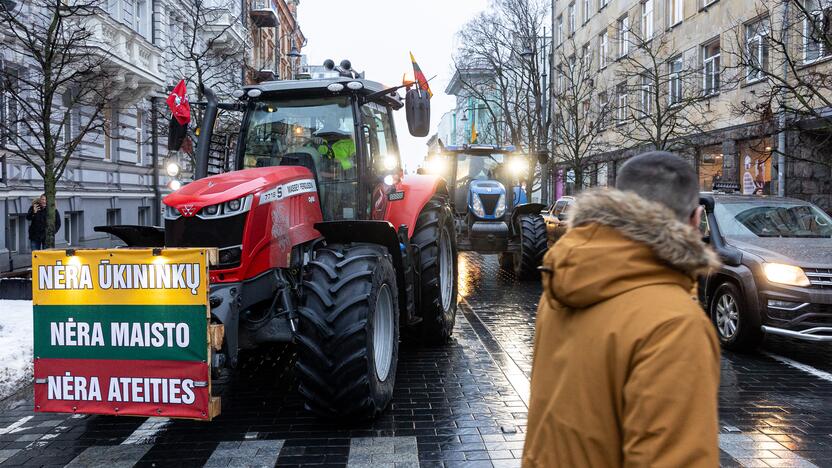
206 130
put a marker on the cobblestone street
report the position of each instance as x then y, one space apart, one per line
462 404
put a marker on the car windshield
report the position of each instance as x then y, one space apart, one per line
766 218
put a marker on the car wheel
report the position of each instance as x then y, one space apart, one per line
737 327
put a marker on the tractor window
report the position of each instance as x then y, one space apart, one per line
380 135
316 130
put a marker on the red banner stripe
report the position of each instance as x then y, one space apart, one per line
174 389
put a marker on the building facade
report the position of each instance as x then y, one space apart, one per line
111 179
714 55
276 40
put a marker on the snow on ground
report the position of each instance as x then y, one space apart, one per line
15 346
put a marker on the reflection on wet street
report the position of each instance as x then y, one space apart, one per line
462 404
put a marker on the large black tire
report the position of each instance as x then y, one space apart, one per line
533 246
344 303
743 335
435 237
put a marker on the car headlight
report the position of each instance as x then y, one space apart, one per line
501 206
785 274
476 204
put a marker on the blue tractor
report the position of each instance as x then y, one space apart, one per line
492 212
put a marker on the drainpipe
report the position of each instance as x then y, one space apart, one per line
781 120
154 141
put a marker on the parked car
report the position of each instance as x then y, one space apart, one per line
555 218
776 276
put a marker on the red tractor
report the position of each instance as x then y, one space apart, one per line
322 241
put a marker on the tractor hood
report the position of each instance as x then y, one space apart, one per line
487 187
232 185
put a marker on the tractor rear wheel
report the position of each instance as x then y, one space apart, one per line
348 331
532 246
435 237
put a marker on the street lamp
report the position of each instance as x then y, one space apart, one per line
294 55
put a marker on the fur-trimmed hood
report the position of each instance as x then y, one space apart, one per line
618 241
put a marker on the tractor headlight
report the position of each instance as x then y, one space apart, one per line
437 165
476 205
501 206
211 210
171 212
229 208
785 274
390 162
172 169
518 165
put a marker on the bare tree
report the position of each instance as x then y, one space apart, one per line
658 100
784 52
499 63
579 111
56 98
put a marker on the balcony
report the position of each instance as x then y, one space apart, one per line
132 61
226 31
264 13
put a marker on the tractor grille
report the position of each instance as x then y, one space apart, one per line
198 232
489 202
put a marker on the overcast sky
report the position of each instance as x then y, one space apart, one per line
376 36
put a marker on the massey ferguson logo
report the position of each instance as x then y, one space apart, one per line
187 210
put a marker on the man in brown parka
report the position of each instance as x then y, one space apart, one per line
626 363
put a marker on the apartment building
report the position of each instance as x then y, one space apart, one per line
713 56
112 179
276 40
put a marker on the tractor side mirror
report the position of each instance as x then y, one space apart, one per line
542 157
417 108
176 134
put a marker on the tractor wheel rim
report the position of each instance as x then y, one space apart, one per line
383 334
446 270
727 316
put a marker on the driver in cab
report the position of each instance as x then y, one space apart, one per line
336 146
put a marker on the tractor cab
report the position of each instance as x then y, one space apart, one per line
488 197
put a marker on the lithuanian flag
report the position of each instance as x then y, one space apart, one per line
420 77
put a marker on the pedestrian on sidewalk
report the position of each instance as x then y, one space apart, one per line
626 363
37 223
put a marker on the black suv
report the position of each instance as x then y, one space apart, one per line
777 271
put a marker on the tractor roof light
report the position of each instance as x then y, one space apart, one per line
254 92
238 93
335 87
355 85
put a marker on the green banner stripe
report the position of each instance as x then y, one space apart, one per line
140 332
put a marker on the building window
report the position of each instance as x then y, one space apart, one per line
601 174
646 95
13 241
572 18
559 31
621 108
710 68
756 43
139 136
709 167
675 12
113 219
586 53
708 2
587 5
623 35
603 105
647 19
140 17
10 128
560 80
755 157
602 3
144 216
603 49
816 34
674 93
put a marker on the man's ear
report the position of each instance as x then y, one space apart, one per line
696 217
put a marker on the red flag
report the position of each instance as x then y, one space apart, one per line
420 77
178 103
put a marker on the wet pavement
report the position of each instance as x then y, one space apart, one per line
462 404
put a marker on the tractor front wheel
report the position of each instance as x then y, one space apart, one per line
348 331
435 237
533 246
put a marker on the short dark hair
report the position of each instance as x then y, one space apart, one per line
662 177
